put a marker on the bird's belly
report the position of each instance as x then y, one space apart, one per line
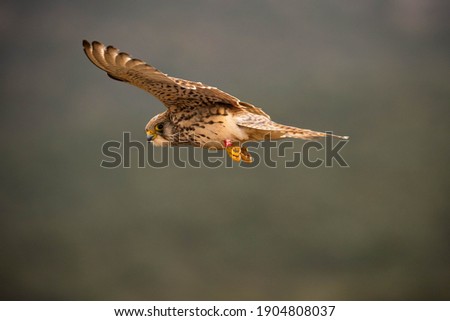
213 131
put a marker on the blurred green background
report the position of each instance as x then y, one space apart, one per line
375 70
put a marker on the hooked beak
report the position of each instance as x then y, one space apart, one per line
151 135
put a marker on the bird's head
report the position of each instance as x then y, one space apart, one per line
159 130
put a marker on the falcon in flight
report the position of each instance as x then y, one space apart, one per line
196 114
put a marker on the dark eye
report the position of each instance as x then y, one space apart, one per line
159 127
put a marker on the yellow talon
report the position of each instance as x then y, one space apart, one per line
239 154
234 152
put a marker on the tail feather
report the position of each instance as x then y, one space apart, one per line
262 125
294 132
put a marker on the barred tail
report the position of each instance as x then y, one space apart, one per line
265 125
294 132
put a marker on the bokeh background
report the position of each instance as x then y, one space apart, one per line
375 70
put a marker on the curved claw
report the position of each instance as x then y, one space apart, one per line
245 155
234 152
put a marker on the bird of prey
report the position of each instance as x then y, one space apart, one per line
196 114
